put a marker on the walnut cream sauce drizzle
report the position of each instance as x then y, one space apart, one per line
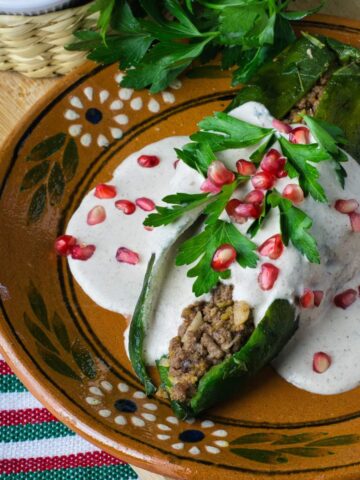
326 328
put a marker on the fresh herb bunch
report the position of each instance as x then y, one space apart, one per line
221 132
155 41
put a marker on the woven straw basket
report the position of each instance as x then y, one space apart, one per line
34 45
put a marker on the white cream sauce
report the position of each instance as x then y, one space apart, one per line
116 286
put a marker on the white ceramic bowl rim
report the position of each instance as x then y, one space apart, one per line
34 7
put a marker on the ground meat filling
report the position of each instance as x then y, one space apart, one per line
309 103
210 332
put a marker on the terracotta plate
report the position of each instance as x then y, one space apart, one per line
69 352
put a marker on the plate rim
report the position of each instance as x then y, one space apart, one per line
17 357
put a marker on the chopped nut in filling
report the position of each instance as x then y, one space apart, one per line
210 332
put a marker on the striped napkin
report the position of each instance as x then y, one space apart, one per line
35 446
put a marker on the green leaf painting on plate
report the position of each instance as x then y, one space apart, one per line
57 160
64 355
276 448
37 205
47 147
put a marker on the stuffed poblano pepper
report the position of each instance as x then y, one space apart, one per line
278 208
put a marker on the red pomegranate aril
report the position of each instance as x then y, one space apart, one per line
346 206
230 210
96 215
125 206
224 256
321 362
282 173
148 161
268 276
300 135
105 191
273 247
219 174
263 180
248 210
245 168
345 299
64 244
82 252
255 196
307 299
208 186
281 126
125 255
149 229
355 221
318 297
145 204
273 162
293 192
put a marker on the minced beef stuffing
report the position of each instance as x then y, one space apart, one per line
309 103
210 332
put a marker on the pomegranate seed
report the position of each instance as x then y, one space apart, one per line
148 161
355 221
145 204
273 247
268 276
82 252
321 362
281 126
126 206
125 255
255 196
64 244
293 192
104 191
224 256
149 229
282 173
245 168
346 206
345 299
219 174
263 180
307 299
273 162
300 135
208 186
248 210
96 215
175 164
230 210
318 297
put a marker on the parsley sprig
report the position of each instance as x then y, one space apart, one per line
154 41
221 132
202 247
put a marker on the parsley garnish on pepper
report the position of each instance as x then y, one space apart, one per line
221 132
154 41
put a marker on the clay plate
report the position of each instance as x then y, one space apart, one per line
69 352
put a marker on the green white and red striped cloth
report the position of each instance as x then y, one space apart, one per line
35 446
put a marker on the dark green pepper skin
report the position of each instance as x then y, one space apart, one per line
180 410
230 376
282 82
340 105
137 333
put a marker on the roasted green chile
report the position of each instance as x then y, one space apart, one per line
282 82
